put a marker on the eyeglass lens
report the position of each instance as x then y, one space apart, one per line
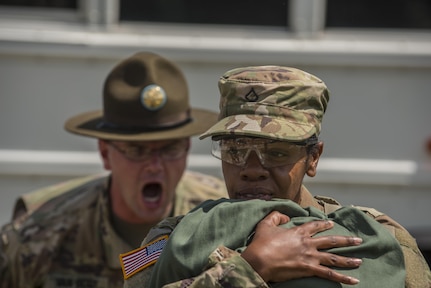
141 152
271 153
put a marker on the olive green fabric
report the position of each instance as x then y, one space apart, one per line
231 223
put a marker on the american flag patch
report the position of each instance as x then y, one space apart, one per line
136 260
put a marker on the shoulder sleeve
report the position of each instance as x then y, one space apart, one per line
31 201
15 268
5 277
418 273
226 268
164 227
142 277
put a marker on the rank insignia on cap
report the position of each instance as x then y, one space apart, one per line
251 96
136 260
153 97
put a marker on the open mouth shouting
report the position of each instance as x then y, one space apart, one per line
152 194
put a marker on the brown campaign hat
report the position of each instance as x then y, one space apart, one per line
145 97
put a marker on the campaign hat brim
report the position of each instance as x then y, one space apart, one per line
90 124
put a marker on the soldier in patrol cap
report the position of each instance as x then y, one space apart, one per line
267 137
70 235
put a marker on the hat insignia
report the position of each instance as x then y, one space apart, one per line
153 97
251 96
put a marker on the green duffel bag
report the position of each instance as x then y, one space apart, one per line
231 222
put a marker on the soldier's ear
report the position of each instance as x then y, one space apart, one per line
313 158
104 152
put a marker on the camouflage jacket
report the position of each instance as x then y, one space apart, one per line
67 240
227 266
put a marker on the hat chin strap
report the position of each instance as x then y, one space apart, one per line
168 123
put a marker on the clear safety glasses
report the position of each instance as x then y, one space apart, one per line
271 153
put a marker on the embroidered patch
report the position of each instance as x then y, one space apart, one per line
136 260
251 96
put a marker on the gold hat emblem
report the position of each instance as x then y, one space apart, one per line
153 97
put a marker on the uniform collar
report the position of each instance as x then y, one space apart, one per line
306 199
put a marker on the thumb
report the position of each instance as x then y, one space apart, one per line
275 218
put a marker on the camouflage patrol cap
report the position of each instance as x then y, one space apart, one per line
273 102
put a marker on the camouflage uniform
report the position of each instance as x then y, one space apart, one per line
277 103
68 241
226 268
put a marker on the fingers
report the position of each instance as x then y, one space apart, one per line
327 273
267 254
314 227
333 260
276 218
326 242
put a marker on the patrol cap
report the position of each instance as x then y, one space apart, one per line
145 97
272 102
